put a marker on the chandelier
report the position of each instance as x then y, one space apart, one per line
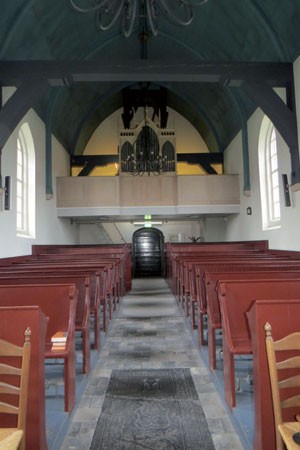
137 166
179 12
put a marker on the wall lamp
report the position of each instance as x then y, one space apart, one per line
4 190
286 190
5 194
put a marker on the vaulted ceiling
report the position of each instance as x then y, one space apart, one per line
203 66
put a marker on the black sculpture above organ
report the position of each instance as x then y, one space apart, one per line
144 97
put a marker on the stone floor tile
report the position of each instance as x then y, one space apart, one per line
149 332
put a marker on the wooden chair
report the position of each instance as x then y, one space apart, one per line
12 441
14 395
287 430
285 384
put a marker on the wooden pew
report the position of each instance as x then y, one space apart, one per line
235 299
13 259
82 319
189 286
113 264
103 283
176 249
114 282
197 268
283 315
224 264
107 290
216 246
181 276
58 303
21 317
212 278
103 254
107 250
185 251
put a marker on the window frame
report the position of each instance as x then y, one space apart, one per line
25 183
269 176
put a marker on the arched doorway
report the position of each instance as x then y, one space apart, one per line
148 253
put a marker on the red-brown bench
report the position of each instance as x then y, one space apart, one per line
212 278
100 293
190 290
122 251
82 319
58 303
283 315
115 282
235 299
178 261
177 249
22 317
180 275
196 289
241 264
116 255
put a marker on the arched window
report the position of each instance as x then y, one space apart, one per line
269 175
25 183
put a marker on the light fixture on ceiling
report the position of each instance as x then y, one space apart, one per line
147 224
179 12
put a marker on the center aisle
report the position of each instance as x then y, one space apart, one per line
149 332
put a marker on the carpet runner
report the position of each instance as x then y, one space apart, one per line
152 409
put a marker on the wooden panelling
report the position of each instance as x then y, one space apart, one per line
164 190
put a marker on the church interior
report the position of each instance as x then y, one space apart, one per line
150 173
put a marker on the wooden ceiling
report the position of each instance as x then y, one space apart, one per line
214 70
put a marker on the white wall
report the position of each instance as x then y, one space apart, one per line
212 229
105 139
49 229
246 226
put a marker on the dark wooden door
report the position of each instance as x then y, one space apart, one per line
148 253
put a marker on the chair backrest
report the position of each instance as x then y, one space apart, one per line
284 369
15 374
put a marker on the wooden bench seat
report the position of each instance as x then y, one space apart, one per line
103 286
179 263
22 317
190 288
236 297
179 248
82 319
212 278
224 264
283 315
115 284
113 265
58 303
122 251
194 279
